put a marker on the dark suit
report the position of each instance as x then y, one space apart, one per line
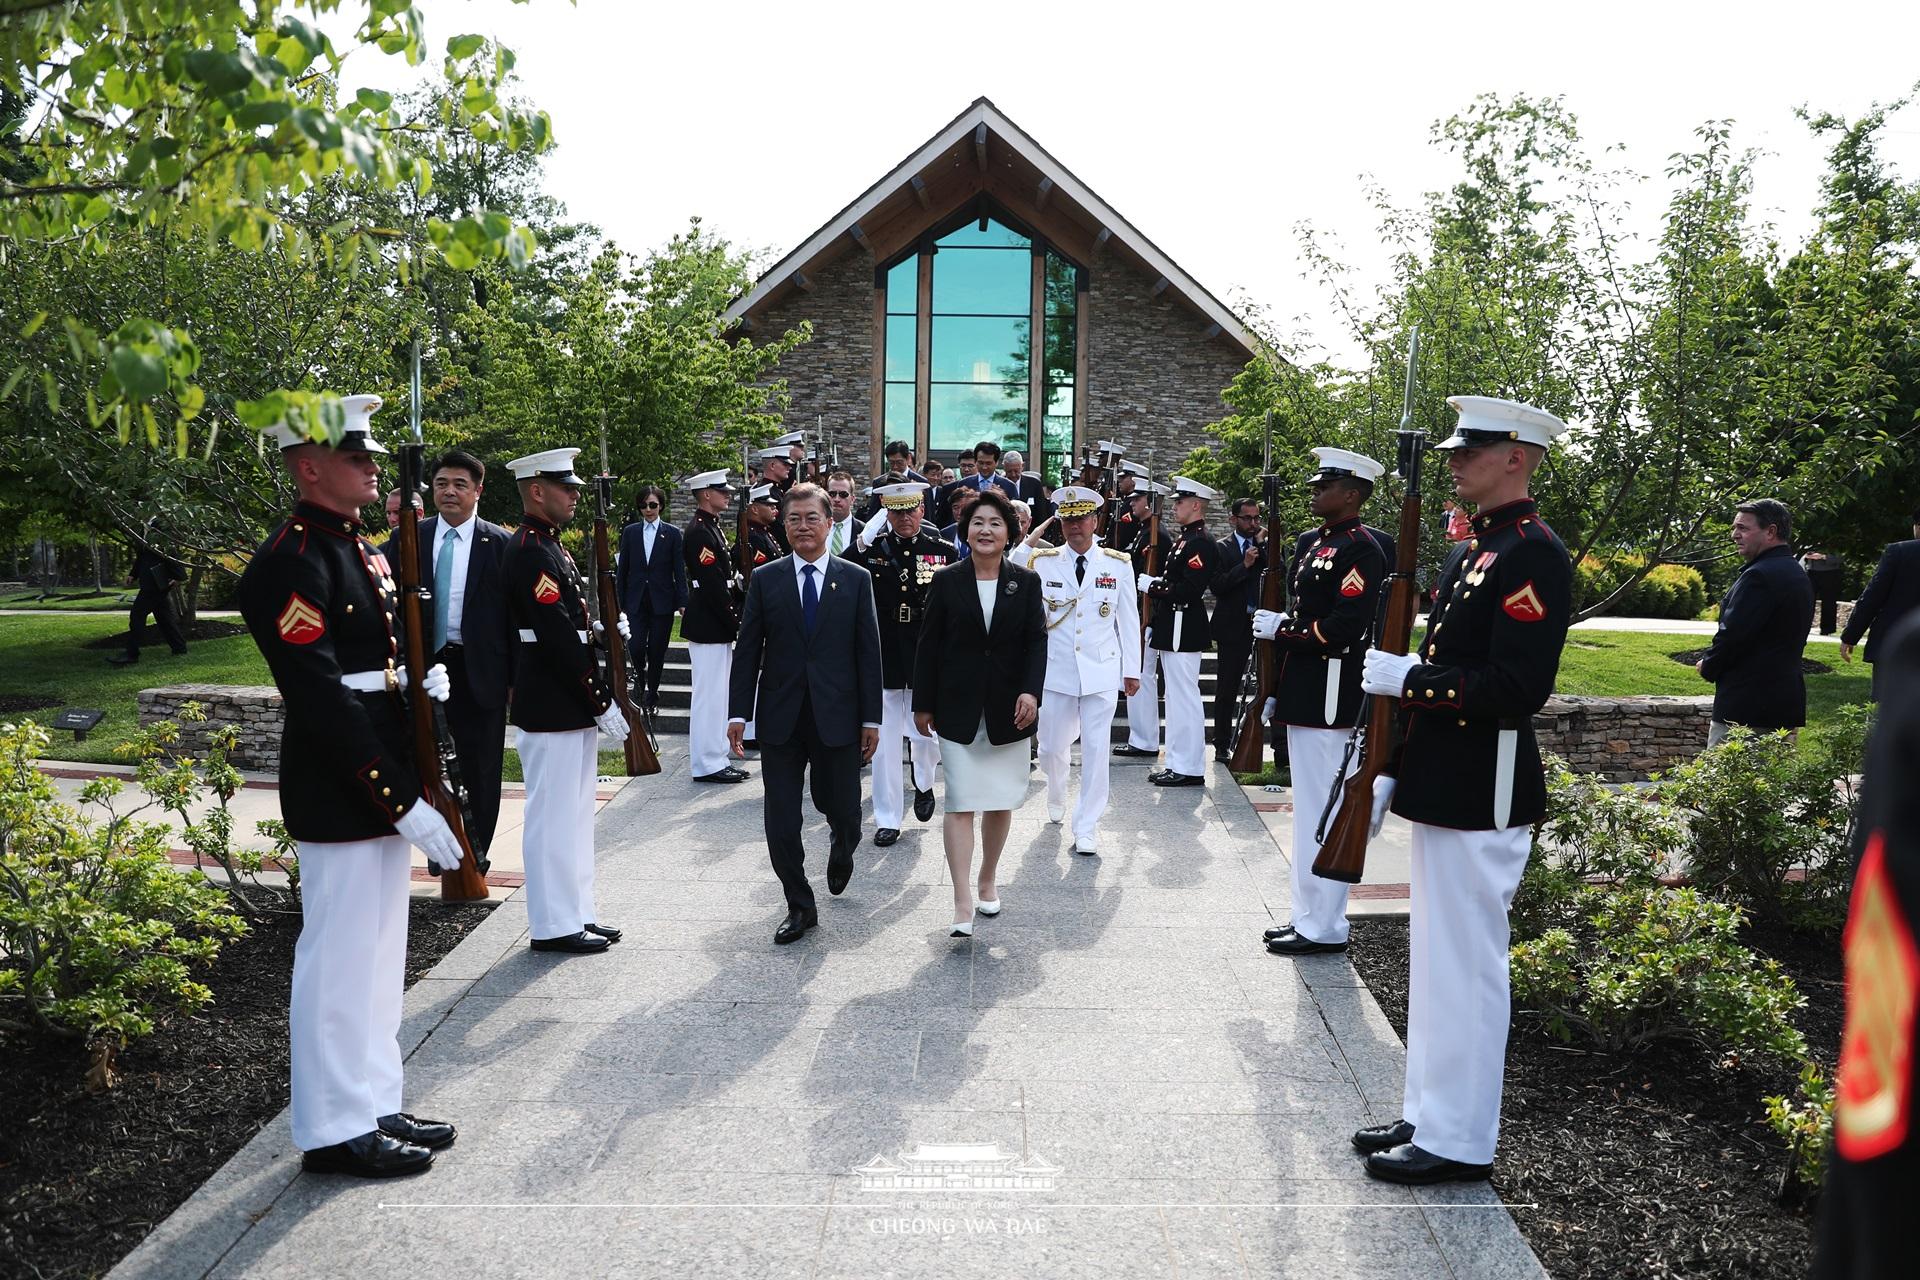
808 697
155 573
651 590
965 672
943 509
952 534
1029 489
478 667
1893 593
1234 596
1754 661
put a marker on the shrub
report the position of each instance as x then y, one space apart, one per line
1665 591
1806 1126
1647 964
1592 832
98 931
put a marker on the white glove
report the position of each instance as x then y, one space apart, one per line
872 529
1146 582
1266 712
436 684
1382 799
612 723
1386 673
427 831
626 631
598 628
1267 623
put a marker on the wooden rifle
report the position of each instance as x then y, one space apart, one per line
1250 745
1343 848
642 760
434 760
1152 556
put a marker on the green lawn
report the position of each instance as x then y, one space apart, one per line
77 599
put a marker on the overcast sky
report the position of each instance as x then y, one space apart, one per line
1214 128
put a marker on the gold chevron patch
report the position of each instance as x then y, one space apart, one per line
1354 583
546 590
1524 605
300 621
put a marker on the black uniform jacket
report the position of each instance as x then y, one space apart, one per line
319 600
1499 621
1185 576
1754 661
902 574
713 614
967 670
557 684
763 547
1338 572
1893 593
1873 1170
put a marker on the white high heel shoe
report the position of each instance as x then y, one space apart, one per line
987 906
962 930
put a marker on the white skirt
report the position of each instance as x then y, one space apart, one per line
981 777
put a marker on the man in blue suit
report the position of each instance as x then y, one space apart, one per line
985 473
1893 593
461 555
652 584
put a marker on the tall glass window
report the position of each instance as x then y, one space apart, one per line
1060 353
902 347
981 354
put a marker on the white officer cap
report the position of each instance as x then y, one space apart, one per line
1134 469
1071 500
707 480
1146 489
554 465
900 497
792 437
1486 420
356 436
775 452
761 493
1185 487
1342 464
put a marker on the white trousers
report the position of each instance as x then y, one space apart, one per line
1319 905
707 719
556 836
1186 717
896 722
349 973
1457 993
1087 717
1143 708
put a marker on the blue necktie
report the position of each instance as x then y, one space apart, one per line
809 597
443 589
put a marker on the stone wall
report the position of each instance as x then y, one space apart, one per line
831 378
255 709
1623 739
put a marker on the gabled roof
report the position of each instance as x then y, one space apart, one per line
982 151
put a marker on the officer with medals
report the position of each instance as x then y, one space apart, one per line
1468 777
561 706
902 560
709 624
1181 632
1132 532
320 602
1338 571
1093 651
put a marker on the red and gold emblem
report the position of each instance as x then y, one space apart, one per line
1523 605
546 590
759 556
1354 583
300 621
1195 562
706 555
1873 1091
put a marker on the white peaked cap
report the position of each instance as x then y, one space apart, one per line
1134 469
707 480
1487 420
761 493
792 437
1336 463
1071 500
357 435
1185 487
549 464
900 497
775 451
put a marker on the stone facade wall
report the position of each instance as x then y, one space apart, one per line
255 709
1623 739
830 378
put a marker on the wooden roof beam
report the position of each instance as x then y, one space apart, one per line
1160 286
980 146
801 282
1100 241
859 237
920 192
1046 189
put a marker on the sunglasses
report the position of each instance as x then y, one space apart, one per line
649 506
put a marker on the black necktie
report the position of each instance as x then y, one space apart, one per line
1080 569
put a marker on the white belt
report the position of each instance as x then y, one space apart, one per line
531 638
365 681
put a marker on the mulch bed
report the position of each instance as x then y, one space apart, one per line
202 629
1808 667
11 702
1654 1165
83 1177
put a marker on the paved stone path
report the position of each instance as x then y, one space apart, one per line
697 1101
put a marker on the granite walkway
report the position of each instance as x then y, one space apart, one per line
1111 1078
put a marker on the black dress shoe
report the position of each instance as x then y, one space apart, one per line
371 1155
1278 931
922 804
1128 749
885 836
181 652
582 943
723 775
431 1134
1383 1137
608 932
1171 779
839 866
739 774
1410 1166
1292 944
1223 757
795 926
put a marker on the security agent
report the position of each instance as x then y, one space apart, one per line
1468 777
1132 533
902 559
1181 632
1891 595
1338 571
320 602
561 705
1093 652
711 621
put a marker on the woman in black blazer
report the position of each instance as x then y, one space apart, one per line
977 677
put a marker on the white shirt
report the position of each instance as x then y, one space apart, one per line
849 530
820 591
648 532
462 535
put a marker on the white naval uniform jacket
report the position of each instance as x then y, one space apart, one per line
1093 627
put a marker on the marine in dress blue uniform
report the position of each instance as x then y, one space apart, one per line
1180 631
1132 534
711 621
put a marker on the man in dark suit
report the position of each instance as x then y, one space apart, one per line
1233 603
1893 593
899 455
807 672
985 474
652 584
965 499
1754 661
1027 487
154 573
461 555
